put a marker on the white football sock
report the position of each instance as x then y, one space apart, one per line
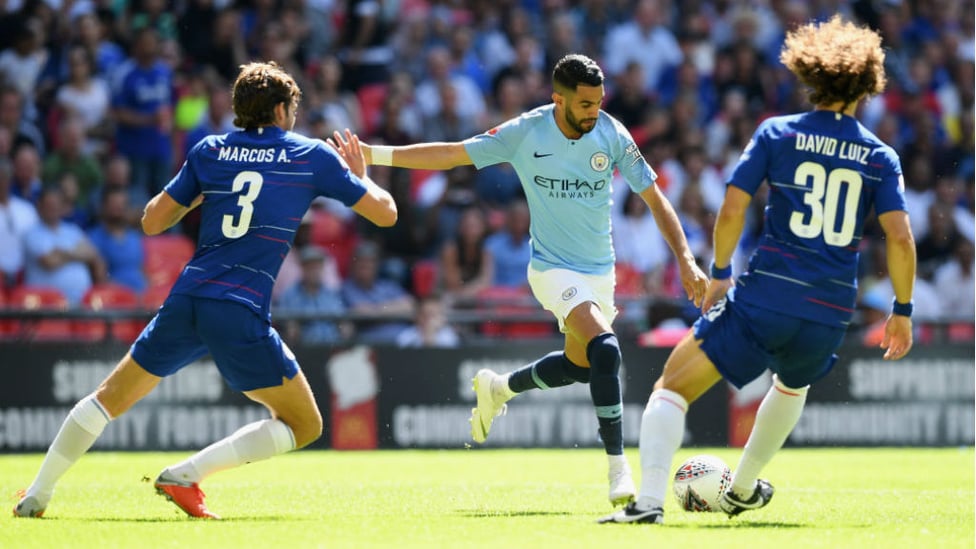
85 422
661 432
252 442
777 415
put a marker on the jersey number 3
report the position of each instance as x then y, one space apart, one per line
824 201
251 181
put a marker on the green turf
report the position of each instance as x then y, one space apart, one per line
496 498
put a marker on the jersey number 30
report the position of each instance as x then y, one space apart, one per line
252 181
824 201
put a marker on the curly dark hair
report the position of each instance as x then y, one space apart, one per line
573 70
258 88
838 60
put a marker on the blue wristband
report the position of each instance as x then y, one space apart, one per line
902 309
721 274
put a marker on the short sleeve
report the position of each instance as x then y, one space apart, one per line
337 180
630 161
496 145
185 186
750 171
890 193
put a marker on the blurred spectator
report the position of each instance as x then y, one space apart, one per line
469 102
339 108
86 97
637 241
93 30
12 109
510 249
291 267
119 244
142 103
430 328
155 15
628 102
633 39
26 180
227 51
959 303
58 254
939 243
365 293
69 157
451 121
219 118
466 265
364 46
67 183
311 296
16 217
22 64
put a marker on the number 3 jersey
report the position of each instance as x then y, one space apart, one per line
257 185
825 173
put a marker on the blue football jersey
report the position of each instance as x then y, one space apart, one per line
825 173
257 185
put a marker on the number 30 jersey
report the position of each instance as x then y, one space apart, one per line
825 173
256 186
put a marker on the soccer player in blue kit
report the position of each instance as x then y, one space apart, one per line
788 312
565 154
252 186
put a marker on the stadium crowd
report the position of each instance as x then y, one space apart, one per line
99 102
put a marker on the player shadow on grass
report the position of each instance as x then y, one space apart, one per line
184 518
471 513
737 524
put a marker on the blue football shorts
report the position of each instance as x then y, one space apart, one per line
247 350
743 341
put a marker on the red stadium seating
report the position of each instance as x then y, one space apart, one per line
424 276
332 234
154 296
165 257
39 298
371 99
504 301
108 297
630 282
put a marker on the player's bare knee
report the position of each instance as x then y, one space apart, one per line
307 430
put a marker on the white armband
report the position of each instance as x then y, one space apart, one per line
382 155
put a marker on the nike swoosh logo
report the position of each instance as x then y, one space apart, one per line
537 155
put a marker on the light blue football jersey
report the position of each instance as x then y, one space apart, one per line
826 173
566 183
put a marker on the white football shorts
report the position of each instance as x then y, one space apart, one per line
561 290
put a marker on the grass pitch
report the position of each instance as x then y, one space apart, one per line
495 498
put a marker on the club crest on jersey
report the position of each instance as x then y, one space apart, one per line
569 294
599 161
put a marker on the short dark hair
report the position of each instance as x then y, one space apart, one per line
573 70
258 88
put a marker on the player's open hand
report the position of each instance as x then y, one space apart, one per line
716 291
897 337
694 281
350 150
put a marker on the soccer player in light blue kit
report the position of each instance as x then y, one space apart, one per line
790 309
253 186
565 154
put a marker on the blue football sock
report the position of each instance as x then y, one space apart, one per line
547 372
603 352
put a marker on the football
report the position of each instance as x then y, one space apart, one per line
700 482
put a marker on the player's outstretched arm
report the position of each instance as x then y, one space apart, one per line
420 156
693 280
900 247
